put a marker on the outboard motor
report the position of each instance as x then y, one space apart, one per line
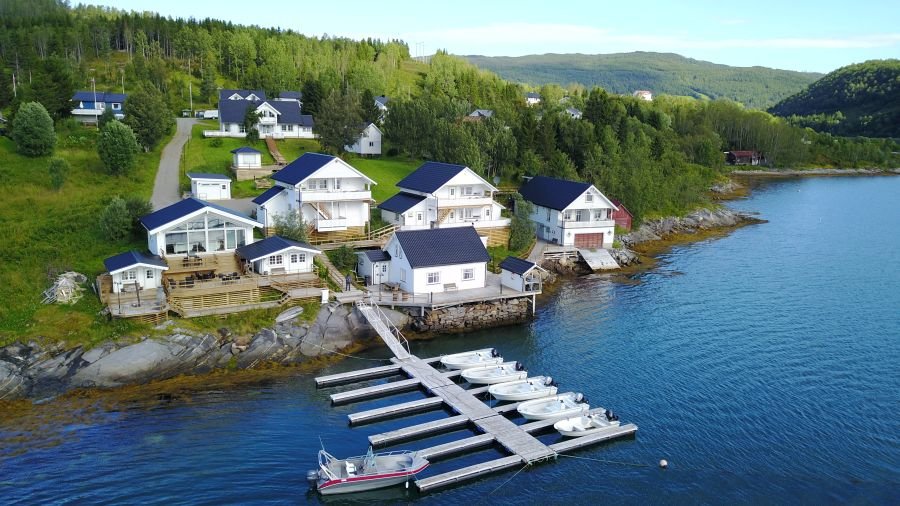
494 353
608 414
312 477
579 397
548 381
520 366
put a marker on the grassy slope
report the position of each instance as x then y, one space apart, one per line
48 230
668 73
387 172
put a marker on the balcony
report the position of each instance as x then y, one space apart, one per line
268 120
334 195
323 225
587 224
87 112
465 201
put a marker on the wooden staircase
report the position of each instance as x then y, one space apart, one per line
442 214
273 150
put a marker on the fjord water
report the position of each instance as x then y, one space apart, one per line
763 365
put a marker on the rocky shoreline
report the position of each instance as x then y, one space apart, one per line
817 172
697 221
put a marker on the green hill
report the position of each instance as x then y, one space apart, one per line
668 73
859 99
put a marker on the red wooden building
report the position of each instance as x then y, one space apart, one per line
623 216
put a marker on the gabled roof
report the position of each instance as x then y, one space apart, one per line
225 94
207 175
186 207
131 259
430 176
621 207
376 255
517 265
401 202
289 113
551 192
573 111
267 195
532 94
482 113
442 246
109 98
271 246
234 111
245 149
300 169
383 100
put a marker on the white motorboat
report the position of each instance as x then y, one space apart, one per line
567 404
497 373
365 472
587 424
523 390
469 359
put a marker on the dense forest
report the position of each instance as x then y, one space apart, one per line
661 73
859 99
659 157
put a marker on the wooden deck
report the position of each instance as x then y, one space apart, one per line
492 291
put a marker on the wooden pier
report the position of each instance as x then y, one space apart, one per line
492 427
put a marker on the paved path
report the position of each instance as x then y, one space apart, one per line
166 188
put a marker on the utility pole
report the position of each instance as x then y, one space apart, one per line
191 94
14 85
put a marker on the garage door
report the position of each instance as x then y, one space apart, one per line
588 241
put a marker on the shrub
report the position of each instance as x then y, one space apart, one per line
216 142
521 230
290 226
137 207
343 258
32 130
58 169
117 147
114 220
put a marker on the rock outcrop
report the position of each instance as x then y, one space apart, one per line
28 370
701 219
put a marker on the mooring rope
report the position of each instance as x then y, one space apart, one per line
510 479
634 464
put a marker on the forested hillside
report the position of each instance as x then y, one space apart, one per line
668 73
859 99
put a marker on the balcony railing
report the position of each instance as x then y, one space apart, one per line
587 224
314 195
465 201
268 120
323 225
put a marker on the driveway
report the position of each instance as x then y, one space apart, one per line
165 188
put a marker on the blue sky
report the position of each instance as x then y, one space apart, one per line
790 34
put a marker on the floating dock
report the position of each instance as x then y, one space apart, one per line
470 412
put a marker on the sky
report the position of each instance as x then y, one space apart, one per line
804 35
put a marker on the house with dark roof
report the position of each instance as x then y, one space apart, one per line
437 260
479 115
328 192
570 213
193 226
87 106
134 271
373 266
443 195
277 255
532 98
279 118
643 95
207 186
368 142
246 157
573 112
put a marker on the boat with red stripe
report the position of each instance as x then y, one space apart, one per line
365 472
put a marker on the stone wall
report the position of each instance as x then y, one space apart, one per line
474 316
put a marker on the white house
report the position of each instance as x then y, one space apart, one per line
521 275
570 213
196 227
573 113
330 194
374 266
643 95
277 255
441 195
132 271
532 98
368 142
89 105
437 260
210 186
280 118
246 157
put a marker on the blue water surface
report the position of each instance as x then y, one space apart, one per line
763 365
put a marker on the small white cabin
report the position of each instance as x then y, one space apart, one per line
368 142
210 186
374 266
246 158
437 260
521 275
277 255
133 271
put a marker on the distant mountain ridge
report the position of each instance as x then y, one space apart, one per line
859 99
668 73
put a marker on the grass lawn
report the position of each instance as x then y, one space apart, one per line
386 171
214 156
47 230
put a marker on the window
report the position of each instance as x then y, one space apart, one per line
487 212
241 129
433 278
149 274
371 144
129 275
117 107
384 268
588 197
398 252
452 215
419 217
579 215
323 184
337 184
598 215
402 275
295 258
548 214
452 191
276 260
567 216
224 187
409 215
468 190
468 274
